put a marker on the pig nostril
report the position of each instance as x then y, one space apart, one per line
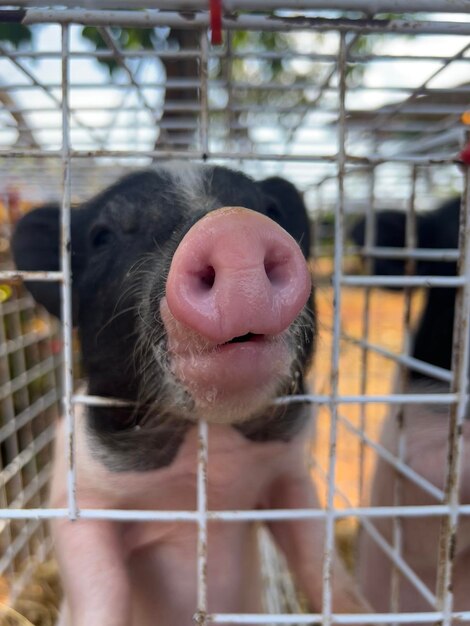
207 277
275 271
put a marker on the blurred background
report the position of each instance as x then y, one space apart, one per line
363 109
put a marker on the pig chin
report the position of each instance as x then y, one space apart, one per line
230 382
236 394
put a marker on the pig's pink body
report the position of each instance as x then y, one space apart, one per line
156 562
426 434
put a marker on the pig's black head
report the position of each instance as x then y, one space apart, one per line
123 243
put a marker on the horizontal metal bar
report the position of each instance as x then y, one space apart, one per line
99 401
339 618
426 254
369 7
193 107
403 398
404 281
98 514
418 109
184 155
186 83
429 398
168 54
191 125
438 510
17 275
153 18
214 53
396 398
264 111
174 84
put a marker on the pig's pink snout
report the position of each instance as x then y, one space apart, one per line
237 272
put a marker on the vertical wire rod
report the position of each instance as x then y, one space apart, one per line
66 285
460 362
204 94
369 241
337 279
201 615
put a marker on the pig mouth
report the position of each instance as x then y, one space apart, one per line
242 367
244 338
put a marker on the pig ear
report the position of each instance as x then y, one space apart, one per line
35 246
285 205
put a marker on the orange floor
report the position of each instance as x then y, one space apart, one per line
386 330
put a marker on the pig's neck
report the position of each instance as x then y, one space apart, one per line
132 439
279 423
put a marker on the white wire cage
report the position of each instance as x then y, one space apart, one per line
362 105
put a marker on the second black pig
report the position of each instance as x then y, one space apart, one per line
424 427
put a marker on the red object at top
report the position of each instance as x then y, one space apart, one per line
464 155
216 21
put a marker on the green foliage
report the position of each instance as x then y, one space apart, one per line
283 70
16 34
270 41
126 38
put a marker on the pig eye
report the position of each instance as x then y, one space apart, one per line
101 236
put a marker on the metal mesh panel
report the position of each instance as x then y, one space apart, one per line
30 391
361 106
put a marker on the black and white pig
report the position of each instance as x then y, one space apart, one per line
425 427
192 300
